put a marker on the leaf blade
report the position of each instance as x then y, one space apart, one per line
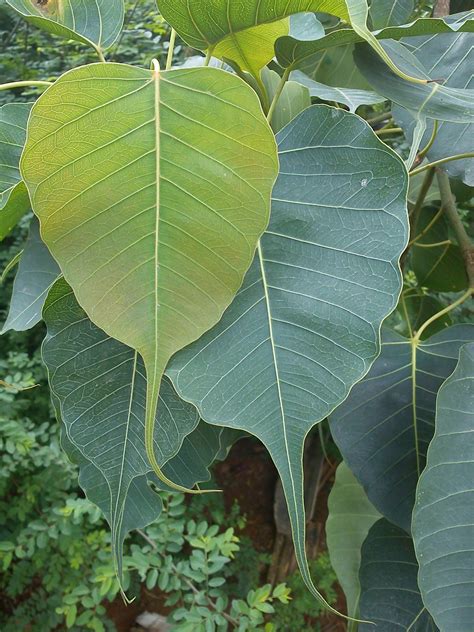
443 538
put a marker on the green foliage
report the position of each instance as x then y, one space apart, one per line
153 190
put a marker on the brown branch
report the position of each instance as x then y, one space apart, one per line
451 212
442 8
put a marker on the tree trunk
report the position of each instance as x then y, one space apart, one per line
442 8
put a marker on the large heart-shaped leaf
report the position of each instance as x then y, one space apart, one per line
94 22
443 518
448 58
390 595
232 27
166 199
14 201
351 515
99 386
295 54
36 274
384 427
299 334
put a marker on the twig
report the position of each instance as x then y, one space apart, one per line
463 239
436 163
442 8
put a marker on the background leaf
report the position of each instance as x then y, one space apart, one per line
449 58
443 518
385 13
294 99
14 201
431 100
99 386
440 268
390 595
351 515
94 22
153 247
297 337
384 427
348 96
36 274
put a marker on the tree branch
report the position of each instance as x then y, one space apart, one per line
463 239
442 8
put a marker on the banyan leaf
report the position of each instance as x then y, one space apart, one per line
384 13
351 515
440 268
99 388
384 427
294 99
305 325
14 201
448 58
165 201
211 26
300 54
351 97
390 595
431 100
443 518
36 274
97 23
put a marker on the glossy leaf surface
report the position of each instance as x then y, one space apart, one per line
166 199
351 515
95 22
36 274
384 13
443 518
384 427
298 336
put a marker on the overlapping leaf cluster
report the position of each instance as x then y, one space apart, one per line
212 253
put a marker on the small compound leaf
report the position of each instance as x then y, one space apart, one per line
14 200
440 268
153 247
36 274
390 596
297 337
351 515
294 99
384 427
351 97
99 389
431 100
443 518
450 59
94 22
